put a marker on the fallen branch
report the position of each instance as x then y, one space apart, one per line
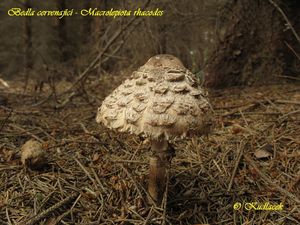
46 213
237 162
291 48
288 102
286 19
244 108
117 34
289 77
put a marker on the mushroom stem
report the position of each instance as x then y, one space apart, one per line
159 163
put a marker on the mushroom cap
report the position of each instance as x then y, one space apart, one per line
161 99
33 155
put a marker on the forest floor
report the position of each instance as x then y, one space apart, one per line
97 176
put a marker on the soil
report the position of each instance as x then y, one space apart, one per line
97 176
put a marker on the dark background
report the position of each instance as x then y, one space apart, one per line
231 42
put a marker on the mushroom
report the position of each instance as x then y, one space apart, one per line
33 155
162 101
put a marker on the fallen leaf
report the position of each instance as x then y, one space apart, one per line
96 157
236 129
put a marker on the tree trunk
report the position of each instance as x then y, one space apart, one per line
62 32
87 24
253 50
28 45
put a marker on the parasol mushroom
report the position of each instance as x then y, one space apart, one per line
161 100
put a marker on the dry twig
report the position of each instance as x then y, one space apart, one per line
237 162
50 210
286 19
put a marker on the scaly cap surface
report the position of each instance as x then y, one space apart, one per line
160 99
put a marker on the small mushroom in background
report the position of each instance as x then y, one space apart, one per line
32 155
162 101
